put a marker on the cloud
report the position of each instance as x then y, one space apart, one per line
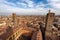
9 9
54 3
28 7
30 4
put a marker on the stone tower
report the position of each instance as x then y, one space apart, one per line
49 22
14 19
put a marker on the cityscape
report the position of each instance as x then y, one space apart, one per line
15 27
29 19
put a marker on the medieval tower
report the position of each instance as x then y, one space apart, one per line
49 22
14 19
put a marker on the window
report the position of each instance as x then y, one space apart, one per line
10 38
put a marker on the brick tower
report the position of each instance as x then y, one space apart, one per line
14 19
49 22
